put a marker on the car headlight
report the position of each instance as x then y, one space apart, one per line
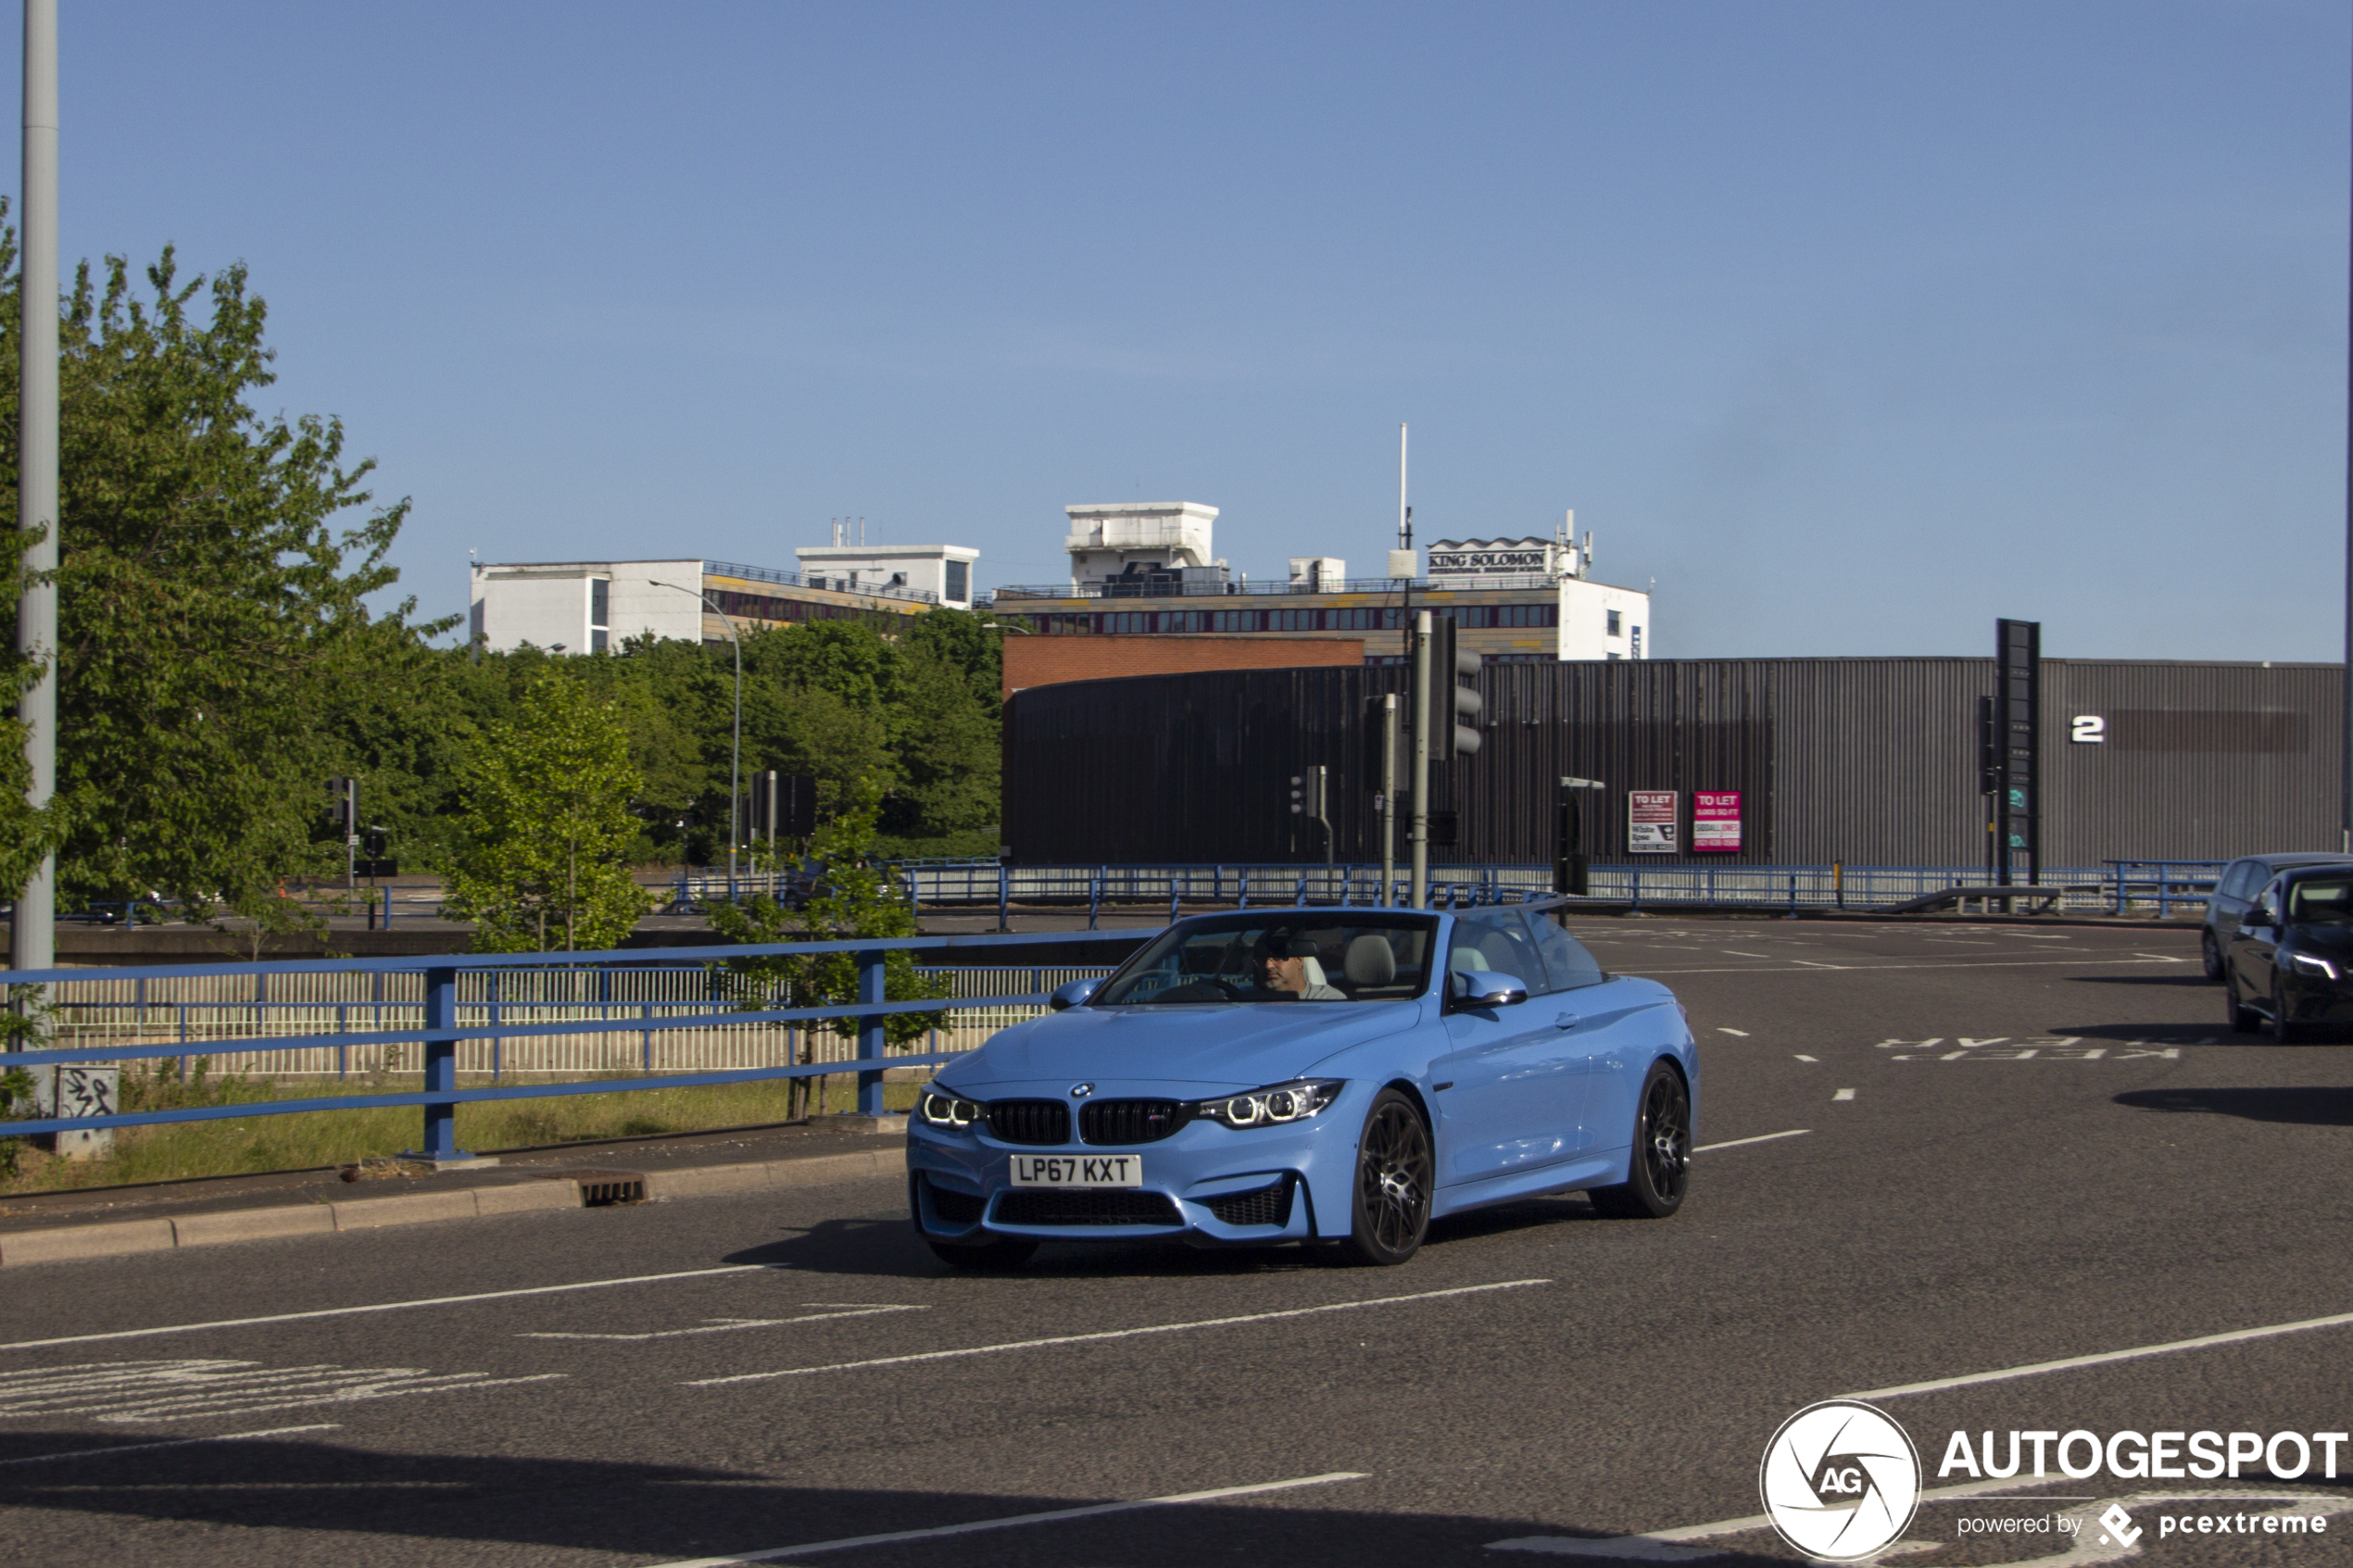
1268 1108
2309 963
949 1110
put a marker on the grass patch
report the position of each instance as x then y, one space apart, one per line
307 1140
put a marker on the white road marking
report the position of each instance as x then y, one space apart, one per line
174 1443
2037 1369
732 1325
1668 1546
1111 1333
1089 1512
1742 1033
392 1306
1762 1138
1803 1057
1738 954
1844 1094
182 1391
1809 964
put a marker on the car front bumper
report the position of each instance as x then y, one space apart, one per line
1207 1184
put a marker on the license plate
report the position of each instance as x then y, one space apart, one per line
1079 1170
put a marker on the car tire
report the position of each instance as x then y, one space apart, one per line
2284 1029
1005 1252
1659 1170
2212 954
1389 1205
2244 1019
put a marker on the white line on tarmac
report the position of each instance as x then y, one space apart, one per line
2037 1369
1802 1057
1742 1033
390 1305
1762 1138
1630 1548
732 1325
1089 1512
1844 1094
1109 1333
175 1443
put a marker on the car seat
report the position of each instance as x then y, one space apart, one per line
1371 961
1313 971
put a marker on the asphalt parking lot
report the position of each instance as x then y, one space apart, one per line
1930 1154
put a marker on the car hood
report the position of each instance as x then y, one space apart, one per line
2335 941
1223 1048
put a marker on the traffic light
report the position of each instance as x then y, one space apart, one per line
1455 729
343 806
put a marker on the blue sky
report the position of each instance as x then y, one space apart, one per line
1856 326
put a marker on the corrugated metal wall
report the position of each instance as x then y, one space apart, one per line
1872 762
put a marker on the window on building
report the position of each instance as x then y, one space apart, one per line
1613 623
596 636
599 601
960 580
1638 642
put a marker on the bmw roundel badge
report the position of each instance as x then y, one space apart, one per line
1080 1091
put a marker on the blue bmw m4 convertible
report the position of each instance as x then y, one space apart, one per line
1315 1075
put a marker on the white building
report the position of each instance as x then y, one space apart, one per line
944 572
589 607
1132 539
1593 619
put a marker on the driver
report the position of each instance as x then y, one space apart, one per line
1282 970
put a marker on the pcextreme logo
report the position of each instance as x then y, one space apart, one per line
1840 1481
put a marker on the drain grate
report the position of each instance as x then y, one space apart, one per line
601 1189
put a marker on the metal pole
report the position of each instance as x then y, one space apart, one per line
1421 762
2344 796
33 930
1388 796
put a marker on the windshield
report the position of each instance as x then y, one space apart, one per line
1346 955
2318 902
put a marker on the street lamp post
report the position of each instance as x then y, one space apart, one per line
736 757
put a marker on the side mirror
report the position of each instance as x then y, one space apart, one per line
2258 914
1072 994
1483 988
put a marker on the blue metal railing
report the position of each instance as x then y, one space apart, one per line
2170 881
441 1032
1175 886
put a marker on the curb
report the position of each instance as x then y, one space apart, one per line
120 1237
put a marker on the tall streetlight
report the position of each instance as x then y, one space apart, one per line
736 758
33 929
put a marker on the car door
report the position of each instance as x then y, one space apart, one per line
1505 1095
2239 880
2252 954
1586 1035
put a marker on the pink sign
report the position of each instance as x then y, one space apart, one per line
1715 820
1650 822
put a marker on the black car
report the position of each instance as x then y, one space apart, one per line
2290 968
2236 888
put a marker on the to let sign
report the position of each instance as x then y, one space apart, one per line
1650 822
1715 820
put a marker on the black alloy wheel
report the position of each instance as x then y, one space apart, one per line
2244 1020
1661 1168
2285 1030
1394 1174
2212 954
1005 1252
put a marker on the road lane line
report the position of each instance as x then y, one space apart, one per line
174 1443
1844 1094
1803 1057
1761 1137
1742 1033
732 1325
1630 1549
1107 1333
1089 1512
391 1306
2037 1369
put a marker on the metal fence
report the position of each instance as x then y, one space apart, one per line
2119 887
594 1012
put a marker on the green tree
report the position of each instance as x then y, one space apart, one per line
549 826
209 606
856 900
